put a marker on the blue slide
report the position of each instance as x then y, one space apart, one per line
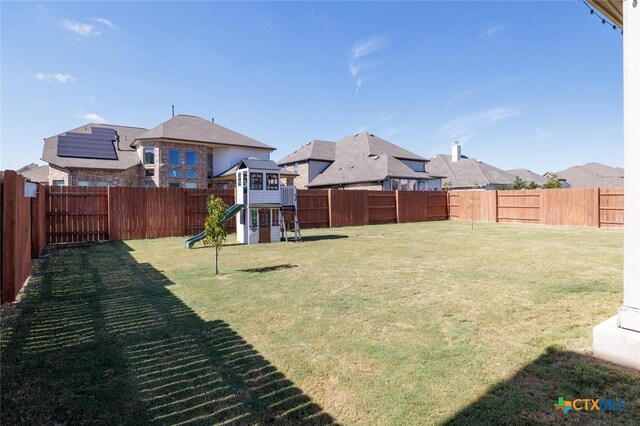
231 212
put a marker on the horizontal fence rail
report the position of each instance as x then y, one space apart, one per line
579 207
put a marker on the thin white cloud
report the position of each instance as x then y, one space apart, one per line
466 127
94 118
59 77
477 90
84 30
494 28
361 49
106 22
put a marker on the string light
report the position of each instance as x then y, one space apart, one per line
602 18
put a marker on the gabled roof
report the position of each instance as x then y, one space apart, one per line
232 170
195 129
365 144
253 163
314 150
27 167
360 169
127 156
38 174
467 172
528 176
592 175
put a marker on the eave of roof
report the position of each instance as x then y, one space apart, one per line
612 9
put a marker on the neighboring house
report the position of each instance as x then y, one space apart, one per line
35 173
528 176
185 151
361 161
591 175
462 172
309 161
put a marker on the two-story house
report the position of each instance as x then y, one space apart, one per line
185 151
361 161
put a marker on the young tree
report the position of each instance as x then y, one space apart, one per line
552 183
214 225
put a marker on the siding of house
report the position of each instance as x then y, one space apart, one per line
316 167
416 166
73 177
224 158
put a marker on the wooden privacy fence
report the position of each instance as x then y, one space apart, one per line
77 214
581 207
22 227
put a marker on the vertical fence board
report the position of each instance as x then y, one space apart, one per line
313 208
16 235
349 208
382 207
611 207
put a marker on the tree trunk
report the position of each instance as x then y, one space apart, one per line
216 260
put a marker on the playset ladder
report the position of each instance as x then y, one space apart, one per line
286 225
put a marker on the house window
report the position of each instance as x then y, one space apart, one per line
104 183
242 214
149 156
272 181
239 177
174 157
254 217
256 181
275 217
190 159
85 183
394 184
295 168
174 184
191 185
149 184
191 174
149 172
174 173
210 165
58 182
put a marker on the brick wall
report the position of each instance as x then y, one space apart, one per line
161 167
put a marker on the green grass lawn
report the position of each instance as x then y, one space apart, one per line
424 323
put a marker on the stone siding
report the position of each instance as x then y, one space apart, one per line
302 180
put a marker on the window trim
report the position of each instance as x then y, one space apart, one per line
151 151
254 185
276 181
169 151
195 158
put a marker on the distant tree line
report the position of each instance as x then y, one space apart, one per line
552 183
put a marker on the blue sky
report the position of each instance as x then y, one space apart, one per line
520 84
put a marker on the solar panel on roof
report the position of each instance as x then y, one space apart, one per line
95 145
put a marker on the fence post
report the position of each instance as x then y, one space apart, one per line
495 194
598 204
397 207
330 208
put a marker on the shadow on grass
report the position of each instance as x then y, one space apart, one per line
528 398
323 237
98 338
269 268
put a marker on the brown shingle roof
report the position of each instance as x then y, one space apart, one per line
38 174
528 176
593 175
467 172
127 156
196 129
314 150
